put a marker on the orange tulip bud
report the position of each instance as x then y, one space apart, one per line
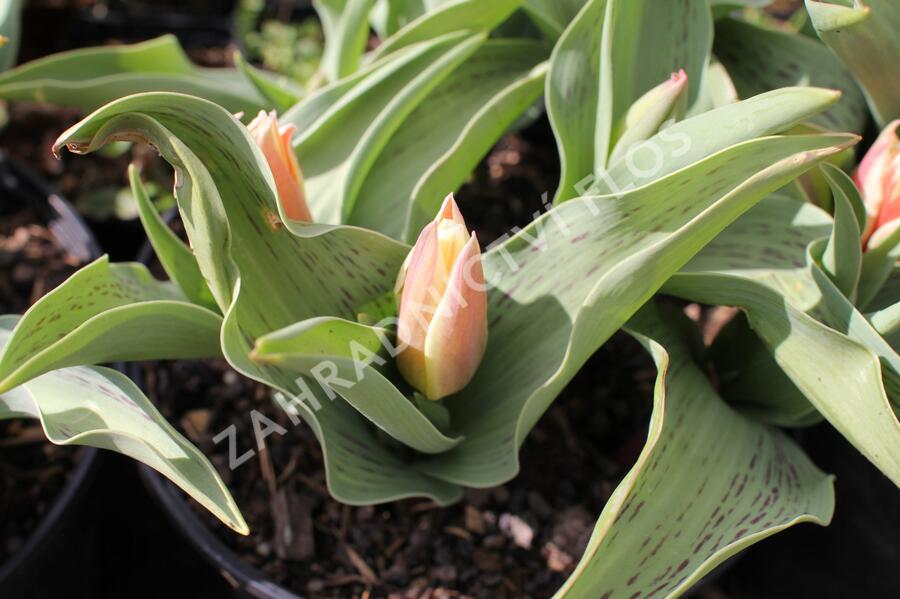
878 177
275 144
442 327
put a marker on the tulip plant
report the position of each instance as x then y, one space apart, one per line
422 368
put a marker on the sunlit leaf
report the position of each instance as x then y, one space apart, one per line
174 255
760 60
90 77
107 313
346 27
761 265
89 405
708 483
597 261
461 16
863 34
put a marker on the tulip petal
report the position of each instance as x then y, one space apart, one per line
450 211
275 144
418 302
457 336
874 176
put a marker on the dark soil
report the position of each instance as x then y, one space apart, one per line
32 471
517 540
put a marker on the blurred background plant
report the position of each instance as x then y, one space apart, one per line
278 41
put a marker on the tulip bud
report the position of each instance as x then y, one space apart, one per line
442 328
878 178
275 144
663 103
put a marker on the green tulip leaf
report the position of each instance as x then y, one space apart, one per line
888 292
461 16
440 143
552 16
549 310
878 264
724 8
761 265
789 59
864 36
90 77
708 483
349 346
887 322
174 255
346 27
107 313
751 380
389 16
688 141
609 56
339 148
717 90
99 407
842 256
281 92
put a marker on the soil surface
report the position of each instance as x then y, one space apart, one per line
518 540
32 471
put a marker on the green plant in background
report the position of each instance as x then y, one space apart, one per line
293 50
679 157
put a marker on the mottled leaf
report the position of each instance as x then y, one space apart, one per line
760 264
708 483
863 34
89 405
760 60
107 313
305 346
439 144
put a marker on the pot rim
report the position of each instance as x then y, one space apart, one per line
239 574
74 236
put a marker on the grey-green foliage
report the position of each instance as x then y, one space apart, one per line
559 289
769 264
99 407
89 77
863 34
761 59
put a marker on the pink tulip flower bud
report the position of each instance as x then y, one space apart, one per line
275 143
878 178
442 328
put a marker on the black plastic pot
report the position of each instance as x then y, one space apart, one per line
61 537
246 581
